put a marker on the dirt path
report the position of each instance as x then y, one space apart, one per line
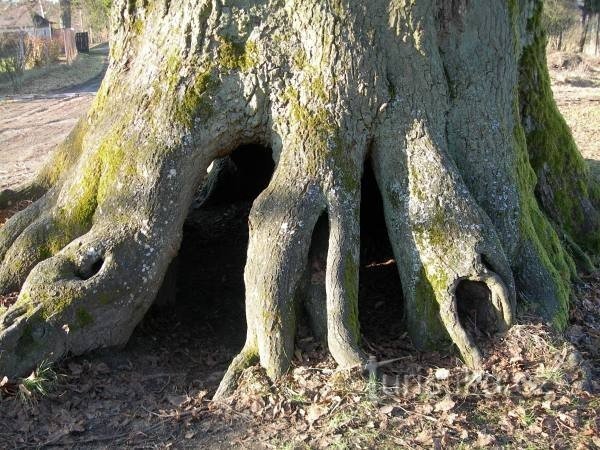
30 128
93 84
32 125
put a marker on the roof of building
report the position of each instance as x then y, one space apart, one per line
21 16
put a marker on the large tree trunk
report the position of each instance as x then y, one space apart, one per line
65 13
484 191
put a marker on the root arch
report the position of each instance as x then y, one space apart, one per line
456 180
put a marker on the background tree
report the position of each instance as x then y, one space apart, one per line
65 13
95 14
485 194
588 9
558 18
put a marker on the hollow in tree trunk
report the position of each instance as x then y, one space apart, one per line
486 198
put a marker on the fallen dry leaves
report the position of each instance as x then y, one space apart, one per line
537 389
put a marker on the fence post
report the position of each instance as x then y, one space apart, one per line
64 33
21 55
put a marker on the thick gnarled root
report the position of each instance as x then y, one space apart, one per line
90 264
37 242
281 224
341 280
78 299
500 138
282 227
489 300
95 282
13 228
90 254
440 236
432 269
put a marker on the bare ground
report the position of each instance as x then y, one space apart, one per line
30 127
576 86
535 391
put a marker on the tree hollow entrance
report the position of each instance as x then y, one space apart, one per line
475 310
380 290
203 292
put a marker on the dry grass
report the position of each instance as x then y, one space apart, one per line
532 393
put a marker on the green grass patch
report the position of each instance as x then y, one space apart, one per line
38 384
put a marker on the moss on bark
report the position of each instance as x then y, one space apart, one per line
563 185
471 168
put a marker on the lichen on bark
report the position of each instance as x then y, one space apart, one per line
484 192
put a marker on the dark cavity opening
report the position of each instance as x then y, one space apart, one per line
237 178
199 313
312 285
380 291
85 273
475 310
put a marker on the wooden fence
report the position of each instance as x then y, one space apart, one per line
82 42
66 37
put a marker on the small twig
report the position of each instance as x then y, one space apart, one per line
175 415
221 403
432 419
162 375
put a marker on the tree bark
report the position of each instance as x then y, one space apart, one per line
559 44
597 47
484 192
65 13
585 24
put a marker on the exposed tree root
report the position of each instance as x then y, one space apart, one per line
281 224
21 220
427 91
241 362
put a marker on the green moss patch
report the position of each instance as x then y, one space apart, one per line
551 149
196 101
234 55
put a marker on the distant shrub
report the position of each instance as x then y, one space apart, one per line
36 53
12 59
54 50
40 52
